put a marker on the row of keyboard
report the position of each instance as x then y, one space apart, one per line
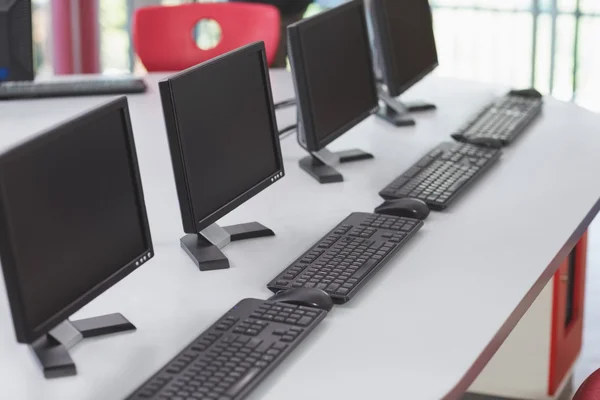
230 358
450 168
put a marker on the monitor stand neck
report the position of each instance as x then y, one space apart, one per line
52 349
319 164
397 112
205 247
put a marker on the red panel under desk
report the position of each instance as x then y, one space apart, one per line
566 338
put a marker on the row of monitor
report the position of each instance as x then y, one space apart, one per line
72 215
337 83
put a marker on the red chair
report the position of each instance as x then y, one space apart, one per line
590 390
163 38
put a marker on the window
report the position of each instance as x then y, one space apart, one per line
545 43
115 43
42 46
549 44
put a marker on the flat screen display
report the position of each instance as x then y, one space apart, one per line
412 51
72 211
335 56
223 112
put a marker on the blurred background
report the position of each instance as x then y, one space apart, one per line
545 43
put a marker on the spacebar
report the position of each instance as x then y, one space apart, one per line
364 269
243 382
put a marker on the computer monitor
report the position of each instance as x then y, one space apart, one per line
72 224
16 44
224 146
405 53
333 74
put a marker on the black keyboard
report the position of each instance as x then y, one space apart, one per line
69 88
230 358
499 123
442 174
348 256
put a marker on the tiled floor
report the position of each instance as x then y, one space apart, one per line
590 353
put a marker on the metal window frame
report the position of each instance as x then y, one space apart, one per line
536 12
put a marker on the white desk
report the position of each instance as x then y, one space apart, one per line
424 326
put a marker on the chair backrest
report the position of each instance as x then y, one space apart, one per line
164 41
590 389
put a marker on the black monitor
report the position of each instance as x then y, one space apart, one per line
405 52
224 147
335 84
72 224
16 44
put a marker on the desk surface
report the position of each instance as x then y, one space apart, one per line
421 329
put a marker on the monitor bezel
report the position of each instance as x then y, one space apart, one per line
18 71
10 269
310 140
191 223
383 42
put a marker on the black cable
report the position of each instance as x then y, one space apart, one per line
285 104
287 131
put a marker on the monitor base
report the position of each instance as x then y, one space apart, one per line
52 349
319 164
396 112
205 248
418 106
395 118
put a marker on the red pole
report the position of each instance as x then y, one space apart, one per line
76 47
62 52
90 38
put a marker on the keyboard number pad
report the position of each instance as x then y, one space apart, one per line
391 223
285 313
250 327
342 229
362 232
328 241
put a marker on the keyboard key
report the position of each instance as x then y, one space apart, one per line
243 382
333 287
305 321
280 346
364 269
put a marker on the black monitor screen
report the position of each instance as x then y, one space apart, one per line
412 51
227 132
336 60
72 211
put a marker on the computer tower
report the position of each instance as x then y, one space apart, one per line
536 361
16 44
